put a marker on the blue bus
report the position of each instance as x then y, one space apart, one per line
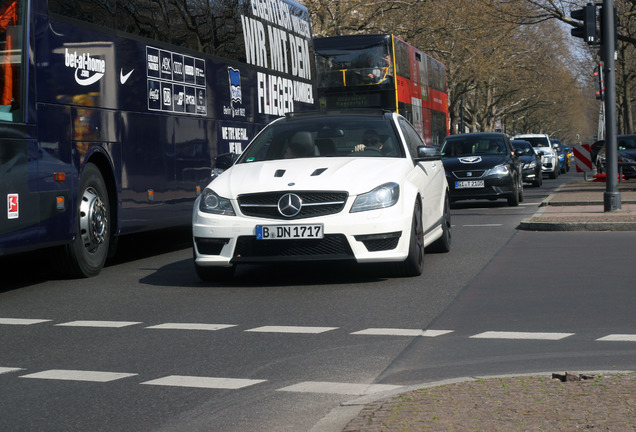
112 111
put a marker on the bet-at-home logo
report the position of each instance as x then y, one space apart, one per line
88 70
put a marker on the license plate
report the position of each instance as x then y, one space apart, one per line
278 232
466 184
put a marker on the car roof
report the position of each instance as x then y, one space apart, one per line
477 134
531 135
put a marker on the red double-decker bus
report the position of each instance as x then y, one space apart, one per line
382 71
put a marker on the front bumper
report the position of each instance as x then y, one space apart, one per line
370 236
495 187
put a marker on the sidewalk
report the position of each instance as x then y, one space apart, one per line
580 207
551 402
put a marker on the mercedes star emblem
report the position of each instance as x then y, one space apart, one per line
289 205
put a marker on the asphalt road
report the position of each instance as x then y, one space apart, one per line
146 346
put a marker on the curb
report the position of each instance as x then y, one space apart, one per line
338 419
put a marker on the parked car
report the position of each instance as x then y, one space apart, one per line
531 169
482 166
626 156
564 162
543 146
356 187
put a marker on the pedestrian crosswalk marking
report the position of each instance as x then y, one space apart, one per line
78 375
291 329
401 332
191 326
521 335
203 382
104 324
338 388
21 321
4 370
618 338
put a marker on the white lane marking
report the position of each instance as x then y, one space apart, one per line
105 324
530 204
191 326
618 338
521 335
483 225
203 382
78 375
22 321
291 329
4 370
401 332
338 388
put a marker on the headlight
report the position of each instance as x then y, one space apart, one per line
212 203
380 197
498 170
529 165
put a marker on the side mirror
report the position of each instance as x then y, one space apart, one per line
428 153
519 152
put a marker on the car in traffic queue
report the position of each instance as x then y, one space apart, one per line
358 187
531 169
482 165
543 146
564 161
626 156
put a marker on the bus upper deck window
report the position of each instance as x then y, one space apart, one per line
10 59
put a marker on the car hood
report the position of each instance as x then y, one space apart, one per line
630 153
355 175
477 162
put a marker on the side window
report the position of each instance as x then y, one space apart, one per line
10 60
413 139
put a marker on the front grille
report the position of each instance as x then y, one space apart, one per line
265 205
332 246
463 174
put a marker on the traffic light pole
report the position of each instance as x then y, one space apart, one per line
612 196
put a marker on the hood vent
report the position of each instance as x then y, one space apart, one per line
279 173
318 171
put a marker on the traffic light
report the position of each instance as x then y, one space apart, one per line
588 30
600 84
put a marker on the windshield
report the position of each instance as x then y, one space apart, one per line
467 146
356 62
520 145
537 141
627 142
324 137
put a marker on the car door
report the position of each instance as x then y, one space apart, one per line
428 176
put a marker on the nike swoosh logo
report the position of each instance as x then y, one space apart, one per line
123 78
87 81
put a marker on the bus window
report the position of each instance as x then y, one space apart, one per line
10 60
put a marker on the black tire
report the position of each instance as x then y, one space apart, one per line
413 265
86 255
539 179
513 199
554 174
443 244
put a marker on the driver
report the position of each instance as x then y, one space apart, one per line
371 140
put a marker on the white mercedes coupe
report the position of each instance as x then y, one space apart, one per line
355 186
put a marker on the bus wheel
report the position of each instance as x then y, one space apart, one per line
88 251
